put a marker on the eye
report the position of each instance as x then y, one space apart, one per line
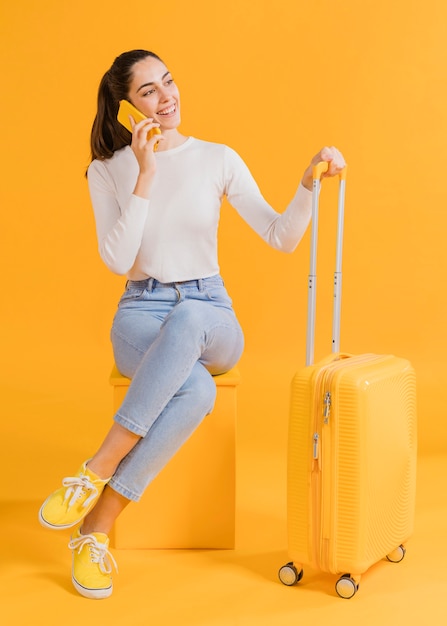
148 93
169 82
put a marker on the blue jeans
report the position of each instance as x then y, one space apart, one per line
169 339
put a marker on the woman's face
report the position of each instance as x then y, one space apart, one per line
153 91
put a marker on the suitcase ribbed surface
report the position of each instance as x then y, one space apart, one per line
366 486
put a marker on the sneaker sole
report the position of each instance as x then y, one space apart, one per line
92 594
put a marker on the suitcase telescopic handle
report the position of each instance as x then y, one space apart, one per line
317 171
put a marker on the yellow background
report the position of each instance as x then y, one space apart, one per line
276 81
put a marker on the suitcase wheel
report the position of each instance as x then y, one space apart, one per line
289 575
346 586
397 555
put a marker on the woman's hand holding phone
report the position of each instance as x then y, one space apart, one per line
129 116
153 133
145 136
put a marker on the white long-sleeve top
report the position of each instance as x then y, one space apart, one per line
173 236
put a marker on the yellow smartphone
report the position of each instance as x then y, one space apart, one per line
125 109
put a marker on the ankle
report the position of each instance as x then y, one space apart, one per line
103 470
88 529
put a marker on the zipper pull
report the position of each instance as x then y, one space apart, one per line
327 406
316 446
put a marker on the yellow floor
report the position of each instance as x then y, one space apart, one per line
226 587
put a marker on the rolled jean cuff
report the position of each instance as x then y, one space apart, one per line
123 491
129 425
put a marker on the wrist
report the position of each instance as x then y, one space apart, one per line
144 184
307 180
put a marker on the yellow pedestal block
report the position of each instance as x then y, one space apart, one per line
191 503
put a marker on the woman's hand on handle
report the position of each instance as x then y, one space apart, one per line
336 163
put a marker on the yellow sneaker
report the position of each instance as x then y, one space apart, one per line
92 565
68 505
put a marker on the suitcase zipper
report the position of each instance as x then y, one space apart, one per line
316 446
327 406
316 479
327 473
327 456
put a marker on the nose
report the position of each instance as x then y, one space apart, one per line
163 93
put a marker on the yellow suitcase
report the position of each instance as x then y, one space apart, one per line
351 450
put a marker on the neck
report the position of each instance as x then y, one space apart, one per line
172 139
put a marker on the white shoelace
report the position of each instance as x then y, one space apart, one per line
78 486
99 552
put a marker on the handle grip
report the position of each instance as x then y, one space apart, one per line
323 167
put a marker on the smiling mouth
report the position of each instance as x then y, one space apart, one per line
168 111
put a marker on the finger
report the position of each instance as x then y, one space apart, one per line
320 156
336 161
146 125
144 131
326 154
154 141
337 157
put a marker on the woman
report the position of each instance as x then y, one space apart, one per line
157 214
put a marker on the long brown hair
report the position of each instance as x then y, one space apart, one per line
108 135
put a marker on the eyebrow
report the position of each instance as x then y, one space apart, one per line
152 83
